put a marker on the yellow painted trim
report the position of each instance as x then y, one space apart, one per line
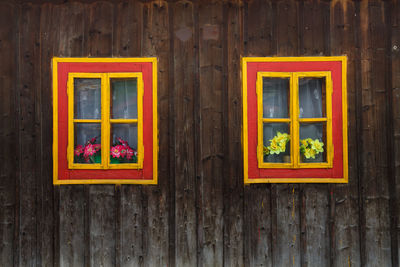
139 165
124 120
244 130
295 180
344 116
92 59
155 120
86 121
106 181
288 59
313 120
275 120
55 120
105 121
343 60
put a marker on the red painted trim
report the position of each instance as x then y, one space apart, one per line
101 67
337 126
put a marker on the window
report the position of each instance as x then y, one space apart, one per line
105 119
295 119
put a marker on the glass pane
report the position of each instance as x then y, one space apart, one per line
87 143
124 141
312 95
276 142
276 97
313 142
124 98
87 98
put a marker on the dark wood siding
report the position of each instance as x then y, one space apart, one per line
200 213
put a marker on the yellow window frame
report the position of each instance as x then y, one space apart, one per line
294 120
105 121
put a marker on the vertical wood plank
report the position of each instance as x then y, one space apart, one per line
156 43
184 52
233 180
395 56
394 216
257 199
375 181
101 198
127 42
29 74
69 40
48 204
211 151
8 131
183 99
346 249
286 197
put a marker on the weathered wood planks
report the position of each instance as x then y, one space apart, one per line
200 213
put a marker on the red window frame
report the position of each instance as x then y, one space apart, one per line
61 173
338 173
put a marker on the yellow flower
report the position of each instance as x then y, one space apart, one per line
318 146
266 151
309 153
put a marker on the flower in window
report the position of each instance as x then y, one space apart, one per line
310 148
121 152
278 144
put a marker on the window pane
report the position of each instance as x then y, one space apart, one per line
313 142
276 142
124 141
124 98
276 97
87 98
87 143
312 95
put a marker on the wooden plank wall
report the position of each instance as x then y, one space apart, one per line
200 213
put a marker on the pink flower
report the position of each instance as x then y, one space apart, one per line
129 153
122 141
115 152
78 150
122 150
93 140
89 150
97 147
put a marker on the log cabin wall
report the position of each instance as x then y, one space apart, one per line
200 213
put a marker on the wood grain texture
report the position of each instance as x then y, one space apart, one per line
184 66
376 195
8 131
28 122
345 247
156 44
395 57
233 192
210 154
200 213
